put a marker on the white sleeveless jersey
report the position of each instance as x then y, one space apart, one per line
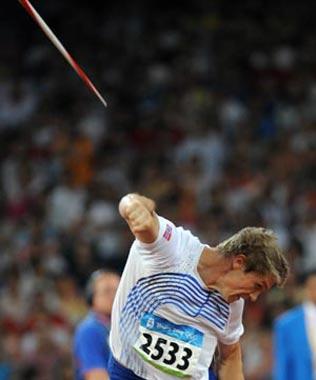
165 322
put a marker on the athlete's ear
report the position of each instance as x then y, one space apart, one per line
239 262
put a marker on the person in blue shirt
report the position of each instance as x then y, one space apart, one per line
91 348
295 337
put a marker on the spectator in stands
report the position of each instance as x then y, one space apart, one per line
91 349
295 338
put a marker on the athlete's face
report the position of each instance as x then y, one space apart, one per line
238 284
104 293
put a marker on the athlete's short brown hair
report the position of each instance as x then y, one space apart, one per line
263 255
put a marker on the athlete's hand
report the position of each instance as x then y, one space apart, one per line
138 211
138 217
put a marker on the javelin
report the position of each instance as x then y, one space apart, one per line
52 37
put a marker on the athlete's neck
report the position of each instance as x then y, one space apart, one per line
212 266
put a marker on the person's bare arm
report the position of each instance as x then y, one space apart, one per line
97 374
139 213
230 362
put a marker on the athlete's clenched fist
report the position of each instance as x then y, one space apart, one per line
138 211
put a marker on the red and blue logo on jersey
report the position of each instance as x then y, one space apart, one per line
168 232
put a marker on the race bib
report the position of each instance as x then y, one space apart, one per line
173 349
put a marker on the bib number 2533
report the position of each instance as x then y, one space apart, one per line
170 352
173 349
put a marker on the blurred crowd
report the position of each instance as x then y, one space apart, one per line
212 113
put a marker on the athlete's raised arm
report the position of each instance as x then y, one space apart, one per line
139 213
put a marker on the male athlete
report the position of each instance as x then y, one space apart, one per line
178 298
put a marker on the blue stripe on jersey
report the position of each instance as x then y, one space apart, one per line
194 291
178 299
176 286
180 290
